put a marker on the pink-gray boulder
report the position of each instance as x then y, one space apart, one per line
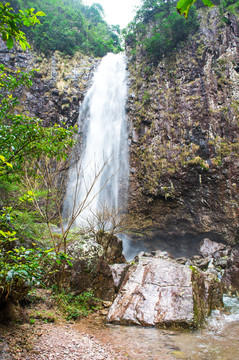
209 247
157 291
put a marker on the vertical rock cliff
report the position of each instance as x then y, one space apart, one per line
59 84
184 115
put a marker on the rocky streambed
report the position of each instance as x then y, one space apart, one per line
178 303
155 289
217 339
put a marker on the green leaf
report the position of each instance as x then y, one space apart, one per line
3 233
40 13
184 5
10 43
49 250
4 36
22 44
27 22
208 3
69 262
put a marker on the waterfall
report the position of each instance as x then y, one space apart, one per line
99 171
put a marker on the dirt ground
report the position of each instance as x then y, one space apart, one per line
51 341
42 333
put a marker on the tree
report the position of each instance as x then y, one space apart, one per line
21 138
69 26
159 27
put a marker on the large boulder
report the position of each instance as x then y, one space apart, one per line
112 246
90 270
158 291
118 272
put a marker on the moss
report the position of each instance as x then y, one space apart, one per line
198 161
197 300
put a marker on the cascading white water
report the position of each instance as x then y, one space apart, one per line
99 174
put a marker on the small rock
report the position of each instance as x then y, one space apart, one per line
202 263
230 277
196 257
209 247
181 260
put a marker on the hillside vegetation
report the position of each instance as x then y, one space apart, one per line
158 30
70 26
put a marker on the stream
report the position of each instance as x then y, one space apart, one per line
218 339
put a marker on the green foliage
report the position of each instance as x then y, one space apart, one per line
3 164
46 316
22 140
184 5
11 23
69 26
160 28
229 5
197 160
76 306
20 267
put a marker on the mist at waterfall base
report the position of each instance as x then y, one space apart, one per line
178 245
98 177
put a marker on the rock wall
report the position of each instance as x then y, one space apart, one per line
183 115
59 84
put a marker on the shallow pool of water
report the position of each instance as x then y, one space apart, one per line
218 339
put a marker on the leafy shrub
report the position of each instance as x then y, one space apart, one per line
76 306
20 268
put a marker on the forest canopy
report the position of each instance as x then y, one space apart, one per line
70 26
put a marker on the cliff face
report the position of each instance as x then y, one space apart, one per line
184 115
58 87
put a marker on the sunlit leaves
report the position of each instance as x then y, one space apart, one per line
11 23
183 6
